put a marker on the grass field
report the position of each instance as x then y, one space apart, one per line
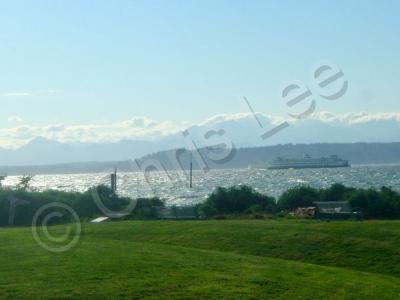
238 259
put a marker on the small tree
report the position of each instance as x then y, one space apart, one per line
337 192
145 208
374 204
301 196
24 182
236 200
2 178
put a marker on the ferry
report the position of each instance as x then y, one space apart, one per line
308 162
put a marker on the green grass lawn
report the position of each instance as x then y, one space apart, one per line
237 259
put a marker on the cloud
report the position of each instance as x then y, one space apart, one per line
356 118
28 93
322 126
141 122
15 94
136 128
14 119
324 116
223 118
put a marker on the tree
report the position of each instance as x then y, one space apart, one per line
337 192
145 208
234 200
382 204
24 182
301 196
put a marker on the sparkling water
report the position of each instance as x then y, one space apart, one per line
173 186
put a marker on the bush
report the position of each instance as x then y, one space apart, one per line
383 204
337 192
145 208
236 200
373 204
301 196
27 203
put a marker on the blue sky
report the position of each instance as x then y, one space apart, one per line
75 62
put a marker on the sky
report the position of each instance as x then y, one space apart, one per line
75 63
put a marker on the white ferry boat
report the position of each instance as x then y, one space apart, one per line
309 162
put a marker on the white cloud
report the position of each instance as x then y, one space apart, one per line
28 93
14 119
15 94
135 128
356 118
148 129
222 118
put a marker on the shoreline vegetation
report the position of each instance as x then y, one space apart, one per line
235 202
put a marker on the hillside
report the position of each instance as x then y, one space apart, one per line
208 259
356 153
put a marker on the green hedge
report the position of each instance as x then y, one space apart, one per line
373 204
237 200
27 203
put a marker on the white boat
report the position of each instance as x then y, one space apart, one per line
308 162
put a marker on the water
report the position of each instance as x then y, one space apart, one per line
173 186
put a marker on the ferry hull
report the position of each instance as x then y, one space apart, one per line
308 167
307 162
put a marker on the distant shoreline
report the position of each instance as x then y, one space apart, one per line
358 154
36 170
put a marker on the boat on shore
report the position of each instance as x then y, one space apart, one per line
308 162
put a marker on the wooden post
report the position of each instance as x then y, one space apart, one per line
191 171
114 181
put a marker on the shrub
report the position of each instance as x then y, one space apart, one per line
27 203
337 192
301 196
235 200
145 208
383 204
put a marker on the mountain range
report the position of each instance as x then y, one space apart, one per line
239 130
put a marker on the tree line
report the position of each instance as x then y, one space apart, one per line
18 206
371 203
